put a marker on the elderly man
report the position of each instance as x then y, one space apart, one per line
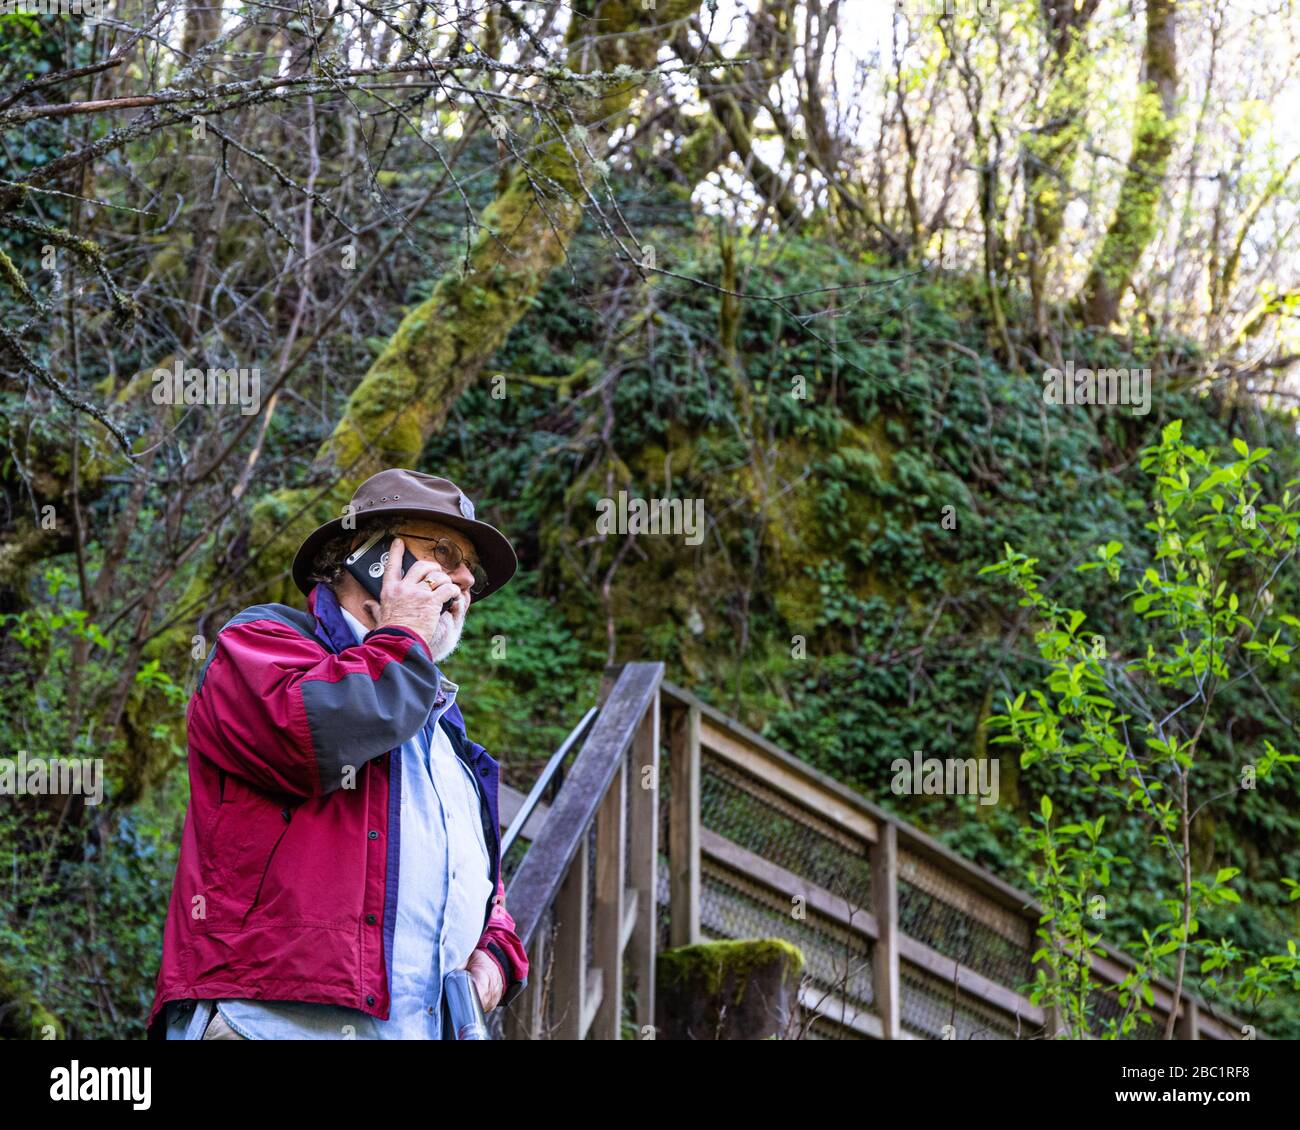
341 847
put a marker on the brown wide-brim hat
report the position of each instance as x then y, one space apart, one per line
398 493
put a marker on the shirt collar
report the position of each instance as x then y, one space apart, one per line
358 630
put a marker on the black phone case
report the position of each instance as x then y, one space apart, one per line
369 568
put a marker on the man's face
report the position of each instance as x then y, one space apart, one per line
421 536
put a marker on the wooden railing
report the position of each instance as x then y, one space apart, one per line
583 898
736 838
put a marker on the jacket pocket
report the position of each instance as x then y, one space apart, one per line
286 817
218 823
245 834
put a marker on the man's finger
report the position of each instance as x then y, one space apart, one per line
446 591
421 571
393 570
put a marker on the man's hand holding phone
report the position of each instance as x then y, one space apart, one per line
416 600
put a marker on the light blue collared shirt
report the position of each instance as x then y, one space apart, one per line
444 883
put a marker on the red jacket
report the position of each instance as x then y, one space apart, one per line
286 884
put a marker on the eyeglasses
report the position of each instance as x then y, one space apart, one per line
449 555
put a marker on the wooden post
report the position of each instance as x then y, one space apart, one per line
1188 1025
732 990
884 894
552 879
643 863
570 986
684 828
607 946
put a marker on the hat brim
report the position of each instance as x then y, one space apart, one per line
495 553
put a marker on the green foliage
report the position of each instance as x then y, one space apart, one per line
86 886
1132 729
830 607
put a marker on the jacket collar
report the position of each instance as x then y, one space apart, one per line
331 629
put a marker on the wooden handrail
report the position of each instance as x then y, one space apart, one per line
537 882
576 968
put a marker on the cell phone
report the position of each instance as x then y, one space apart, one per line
369 561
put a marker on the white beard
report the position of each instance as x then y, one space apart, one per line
447 637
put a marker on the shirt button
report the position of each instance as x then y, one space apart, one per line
374 835
370 918
430 1010
370 999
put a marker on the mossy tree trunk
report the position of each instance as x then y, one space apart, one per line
1134 223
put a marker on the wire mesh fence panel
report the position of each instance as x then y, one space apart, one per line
933 1009
937 908
1104 1006
753 815
663 920
837 961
